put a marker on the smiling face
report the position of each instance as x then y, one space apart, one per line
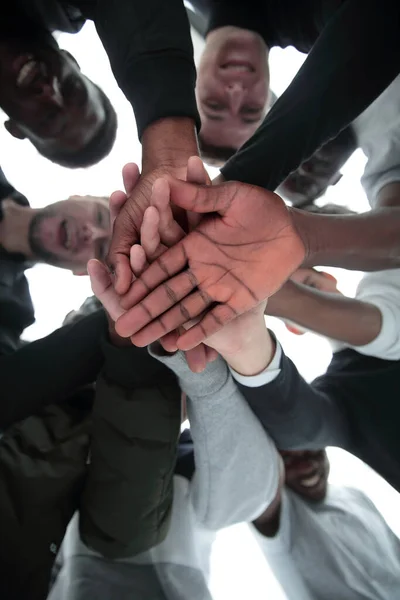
232 86
306 473
46 96
69 233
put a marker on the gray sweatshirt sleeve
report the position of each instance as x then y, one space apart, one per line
237 465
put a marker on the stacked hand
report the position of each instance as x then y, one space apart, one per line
242 251
158 231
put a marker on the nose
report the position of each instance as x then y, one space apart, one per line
51 91
93 233
236 93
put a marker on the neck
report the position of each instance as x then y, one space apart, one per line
268 523
14 228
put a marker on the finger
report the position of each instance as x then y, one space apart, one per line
125 234
197 358
116 202
211 354
196 171
149 234
103 289
170 231
189 308
213 321
138 260
171 262
200 198
168 341
130 177
166 296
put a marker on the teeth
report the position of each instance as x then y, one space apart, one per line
310 481
239 68
68 237
25 72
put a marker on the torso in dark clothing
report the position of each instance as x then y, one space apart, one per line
16 308
367 388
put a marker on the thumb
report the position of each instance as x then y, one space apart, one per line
196 171
201 198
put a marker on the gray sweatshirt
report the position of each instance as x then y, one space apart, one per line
236 478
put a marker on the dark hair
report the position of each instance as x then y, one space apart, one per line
328 209
98 147
215 156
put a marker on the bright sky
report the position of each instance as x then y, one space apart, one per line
238 568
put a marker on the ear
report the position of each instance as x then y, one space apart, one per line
72 58
14 129
329 276
79 272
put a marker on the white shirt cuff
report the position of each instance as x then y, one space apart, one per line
269 374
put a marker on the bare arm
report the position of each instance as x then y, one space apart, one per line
366 242
348 320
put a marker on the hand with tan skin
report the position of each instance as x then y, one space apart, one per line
239 254
158 231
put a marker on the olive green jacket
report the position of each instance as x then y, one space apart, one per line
46 474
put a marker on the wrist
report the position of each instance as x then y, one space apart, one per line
169 143
307 229
254 355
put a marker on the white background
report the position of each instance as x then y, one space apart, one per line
238 568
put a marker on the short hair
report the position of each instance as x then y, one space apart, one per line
328 209
99 146
215 156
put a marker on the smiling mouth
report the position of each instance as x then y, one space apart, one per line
66 237
238 67
310 482
30 71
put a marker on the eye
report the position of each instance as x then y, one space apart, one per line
214 105
99 218
250 110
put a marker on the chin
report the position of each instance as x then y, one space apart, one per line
316 493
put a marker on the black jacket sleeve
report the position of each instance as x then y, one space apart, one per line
50 369
8 191
296 414
151 54
354 59
127 502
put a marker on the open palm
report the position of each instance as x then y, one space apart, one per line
240 254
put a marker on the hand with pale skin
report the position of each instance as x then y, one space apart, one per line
241 252
158 231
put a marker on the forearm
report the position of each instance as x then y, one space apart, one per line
127 500
255 354
49 370
227 439
358 51
169 142
348 320
366 242
151 55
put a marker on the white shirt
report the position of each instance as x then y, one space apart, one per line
378 134
339 549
